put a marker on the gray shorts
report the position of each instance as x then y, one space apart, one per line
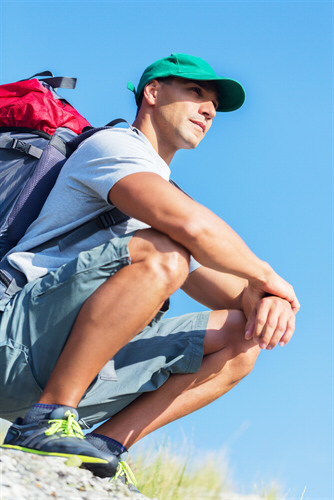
36 323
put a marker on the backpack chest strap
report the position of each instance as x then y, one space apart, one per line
7 142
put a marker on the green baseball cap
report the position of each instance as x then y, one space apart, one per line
232 94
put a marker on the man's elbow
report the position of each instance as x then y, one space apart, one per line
193 232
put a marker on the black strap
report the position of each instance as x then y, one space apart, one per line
103 221
89 131
115 122
39 133
57 82
43 73
61 82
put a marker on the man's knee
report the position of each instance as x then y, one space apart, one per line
166 260
243 353
226 333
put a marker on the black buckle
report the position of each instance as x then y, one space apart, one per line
21 146
106 220
4 279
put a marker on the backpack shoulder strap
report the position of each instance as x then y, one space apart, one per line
89 131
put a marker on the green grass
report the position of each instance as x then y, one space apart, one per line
166 474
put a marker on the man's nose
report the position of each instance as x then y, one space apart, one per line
208 109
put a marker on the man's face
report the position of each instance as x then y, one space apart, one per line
184 111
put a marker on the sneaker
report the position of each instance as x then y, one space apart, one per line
60 435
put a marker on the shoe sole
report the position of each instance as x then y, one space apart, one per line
99 469
97 466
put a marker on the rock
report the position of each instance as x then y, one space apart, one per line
34 477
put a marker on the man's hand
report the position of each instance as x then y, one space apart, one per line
271 322
273 284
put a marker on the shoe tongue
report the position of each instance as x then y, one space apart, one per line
63 412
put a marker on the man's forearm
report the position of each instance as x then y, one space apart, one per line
214 244
214 289
217 290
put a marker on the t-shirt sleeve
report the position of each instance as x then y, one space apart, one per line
110 155
193 264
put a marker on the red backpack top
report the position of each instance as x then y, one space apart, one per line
35 105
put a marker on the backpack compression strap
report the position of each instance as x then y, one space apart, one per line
103 221
57 82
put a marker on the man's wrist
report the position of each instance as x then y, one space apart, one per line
262 276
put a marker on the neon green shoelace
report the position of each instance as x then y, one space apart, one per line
68 427
123 469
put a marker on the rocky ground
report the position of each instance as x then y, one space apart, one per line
27 476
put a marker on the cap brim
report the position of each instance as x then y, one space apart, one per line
232 94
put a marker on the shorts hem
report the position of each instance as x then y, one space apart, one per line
197 340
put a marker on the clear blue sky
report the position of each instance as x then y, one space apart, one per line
265 169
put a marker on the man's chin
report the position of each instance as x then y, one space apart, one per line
192 142
190 146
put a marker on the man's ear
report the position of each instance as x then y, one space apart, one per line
150 92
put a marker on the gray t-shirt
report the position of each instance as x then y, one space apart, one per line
81 193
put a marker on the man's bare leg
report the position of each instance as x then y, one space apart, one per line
159 266
228 357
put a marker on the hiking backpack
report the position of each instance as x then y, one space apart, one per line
39 130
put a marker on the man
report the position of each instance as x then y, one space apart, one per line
97 307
